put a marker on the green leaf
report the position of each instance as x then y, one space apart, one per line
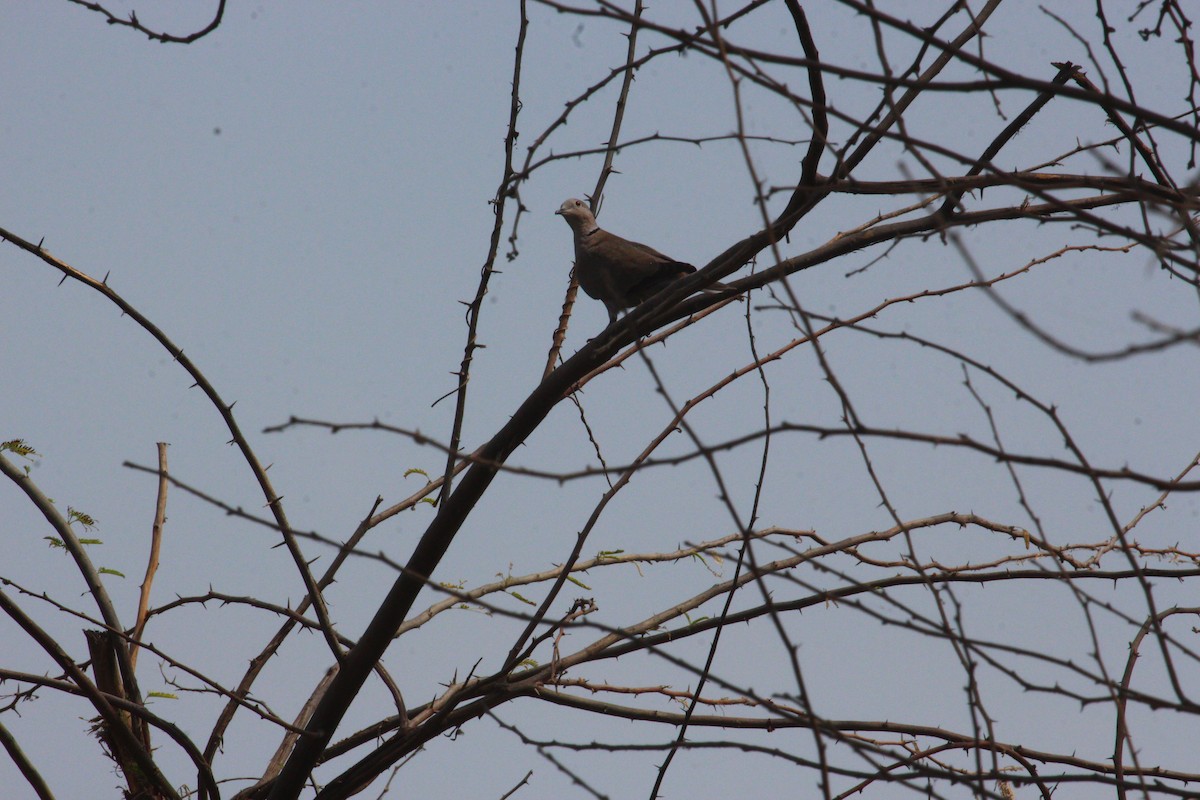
19 447
86 520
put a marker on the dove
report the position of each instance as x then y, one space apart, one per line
613 270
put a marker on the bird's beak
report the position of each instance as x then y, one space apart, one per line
559 212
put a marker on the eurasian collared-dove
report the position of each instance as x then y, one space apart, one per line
616 271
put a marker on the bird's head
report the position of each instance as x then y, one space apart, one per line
577 214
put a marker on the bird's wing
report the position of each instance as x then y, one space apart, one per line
648 250
667 273
621 273
648 271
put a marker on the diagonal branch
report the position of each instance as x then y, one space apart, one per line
274 501
134 23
